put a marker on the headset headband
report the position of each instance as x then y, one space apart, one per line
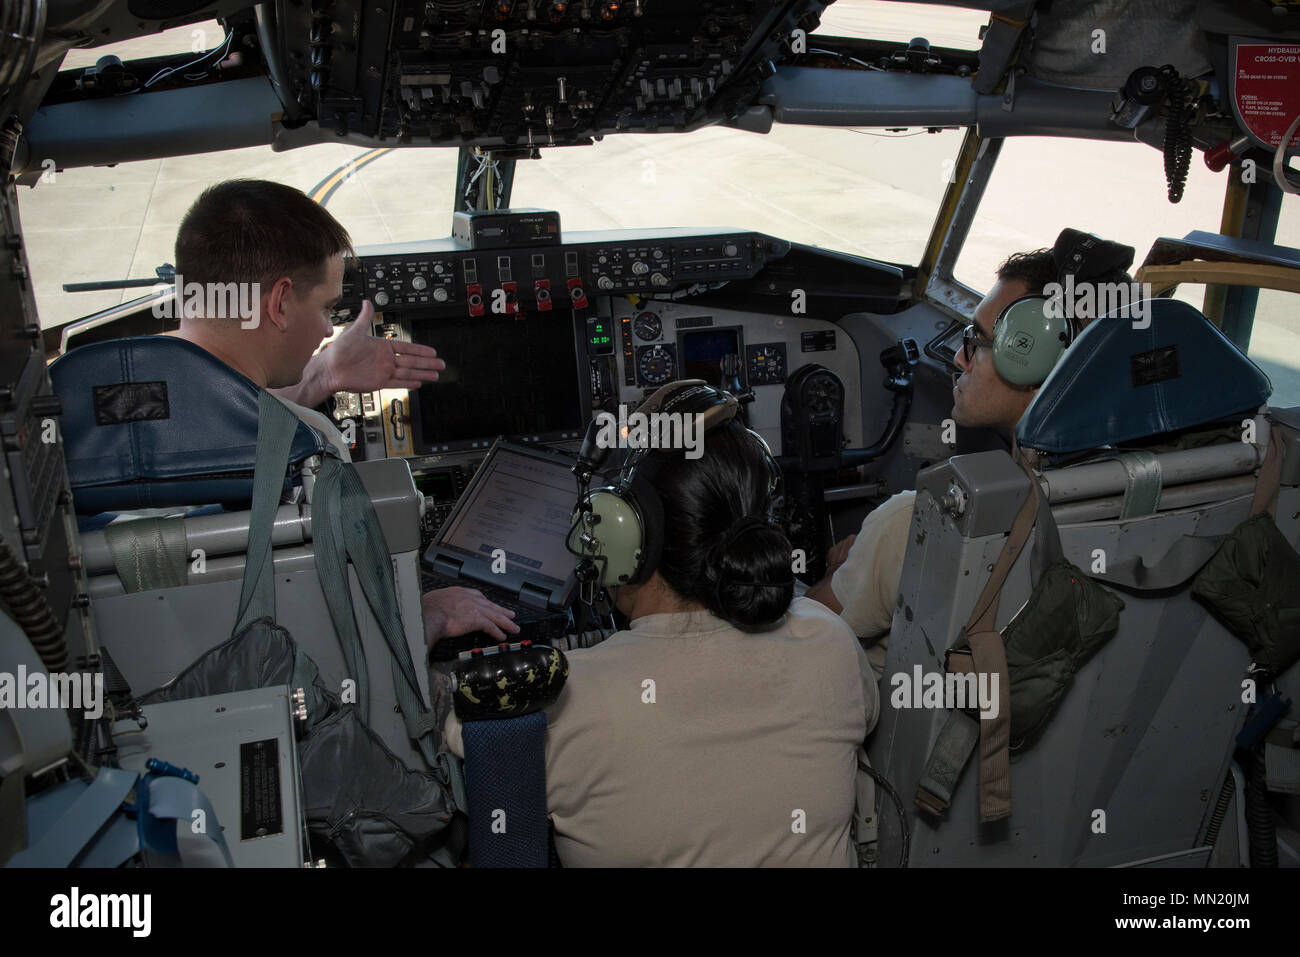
693 397
1086 256
617 530
1028 337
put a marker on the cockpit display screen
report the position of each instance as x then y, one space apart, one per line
712 355
504 376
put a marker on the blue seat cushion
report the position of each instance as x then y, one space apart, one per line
157 421
1118 383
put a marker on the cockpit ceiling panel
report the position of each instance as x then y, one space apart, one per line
529 72
1097 45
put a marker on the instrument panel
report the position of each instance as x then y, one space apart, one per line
480 282
527 74
538 339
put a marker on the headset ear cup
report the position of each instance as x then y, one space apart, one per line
1028 341
611 547
650 510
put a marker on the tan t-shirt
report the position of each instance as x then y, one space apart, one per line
686 742
866 585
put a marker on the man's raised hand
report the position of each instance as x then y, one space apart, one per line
356 361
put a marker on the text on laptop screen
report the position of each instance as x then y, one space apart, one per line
522 505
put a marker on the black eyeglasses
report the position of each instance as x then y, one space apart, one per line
972 340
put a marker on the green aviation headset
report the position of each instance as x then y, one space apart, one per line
1029 338
1031 334
618 530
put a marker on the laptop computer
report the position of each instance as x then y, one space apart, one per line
506 537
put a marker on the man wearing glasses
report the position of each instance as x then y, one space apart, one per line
863 570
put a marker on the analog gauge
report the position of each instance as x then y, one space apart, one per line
647 327
823 395
766 363
656 365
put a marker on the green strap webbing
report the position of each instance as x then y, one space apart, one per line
340 491
946 762
148 553
276 426
1142 485
328 545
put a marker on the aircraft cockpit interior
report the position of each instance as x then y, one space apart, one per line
996 328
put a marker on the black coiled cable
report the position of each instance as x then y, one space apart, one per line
905 849
29 607
1178 133
1220 810
1260 827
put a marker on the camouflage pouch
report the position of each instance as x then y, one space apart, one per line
1252 584
1034 658
1067 618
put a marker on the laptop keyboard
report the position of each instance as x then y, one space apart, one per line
539 625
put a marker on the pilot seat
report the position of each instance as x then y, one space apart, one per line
156 423
1145 440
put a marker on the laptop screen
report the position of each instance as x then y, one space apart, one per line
523 504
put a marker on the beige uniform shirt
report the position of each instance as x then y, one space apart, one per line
686 742
866 585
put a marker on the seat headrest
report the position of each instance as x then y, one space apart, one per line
157 421
1118 382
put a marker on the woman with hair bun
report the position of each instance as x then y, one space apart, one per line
721 728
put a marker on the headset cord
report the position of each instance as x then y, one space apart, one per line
1178 133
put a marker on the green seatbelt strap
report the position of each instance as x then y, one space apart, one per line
1143 484
344 525
149 553
276 427
340 492
327 510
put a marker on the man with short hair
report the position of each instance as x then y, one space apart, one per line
291 249
256 231
863 570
